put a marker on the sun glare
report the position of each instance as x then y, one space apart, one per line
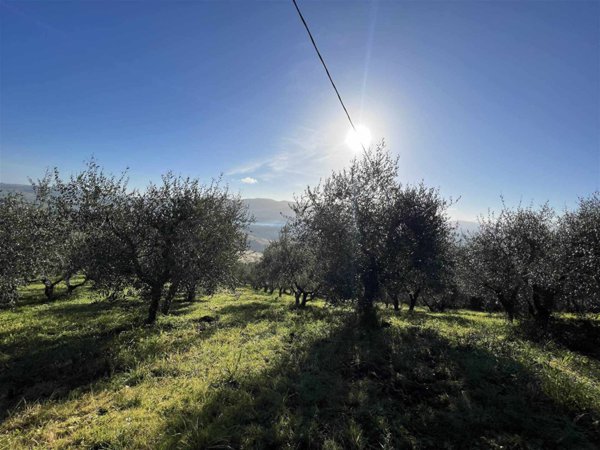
358 139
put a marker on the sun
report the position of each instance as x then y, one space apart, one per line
358 139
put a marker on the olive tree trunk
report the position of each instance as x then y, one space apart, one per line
155 295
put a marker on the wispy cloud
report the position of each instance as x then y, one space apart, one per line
249 180
303 157
246 168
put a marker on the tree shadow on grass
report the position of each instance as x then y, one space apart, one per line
419 316
182 307
42 332
579 335
50 362
67 310
383 388
51 368
258 311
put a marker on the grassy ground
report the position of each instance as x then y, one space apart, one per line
80 373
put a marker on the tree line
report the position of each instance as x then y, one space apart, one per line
170 238
358 237
361 236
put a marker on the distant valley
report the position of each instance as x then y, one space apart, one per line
269 215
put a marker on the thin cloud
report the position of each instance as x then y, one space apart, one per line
305 153
249 180
251 167
299 159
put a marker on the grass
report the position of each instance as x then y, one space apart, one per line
82 373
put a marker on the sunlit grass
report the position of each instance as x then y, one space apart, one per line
265 375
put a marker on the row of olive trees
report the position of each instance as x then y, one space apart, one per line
362 236
288 264
170 238
531 262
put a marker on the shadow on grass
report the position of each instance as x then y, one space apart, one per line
39 334
452 319
51 367
29 297
384 388
246 312
419 317
90 310
183 307
576 334
50 362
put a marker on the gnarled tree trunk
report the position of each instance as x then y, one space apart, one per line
413 296
49 287
543 302
72 287
191 294
396 299
166 305
304 299
155 295
366 302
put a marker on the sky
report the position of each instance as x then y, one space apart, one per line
485 100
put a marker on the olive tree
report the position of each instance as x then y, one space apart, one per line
327 221
90 201
291 262
370 234
60 244
39 241
301 264
19 259
539 260
514 260
347 216
579 232
174 234
418 244
210 244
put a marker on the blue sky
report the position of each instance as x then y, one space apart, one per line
480 99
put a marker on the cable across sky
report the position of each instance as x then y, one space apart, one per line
312 39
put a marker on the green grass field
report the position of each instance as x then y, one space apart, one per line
83 373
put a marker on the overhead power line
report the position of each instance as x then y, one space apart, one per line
312 39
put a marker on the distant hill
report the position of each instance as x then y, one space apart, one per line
24 189
267 211
270 215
